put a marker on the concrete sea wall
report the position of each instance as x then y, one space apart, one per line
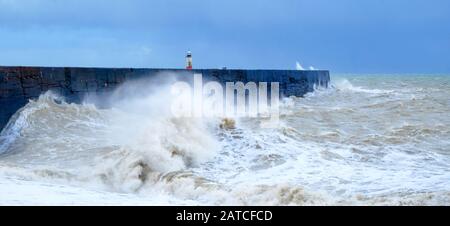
19 84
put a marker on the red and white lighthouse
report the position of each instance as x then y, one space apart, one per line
189 60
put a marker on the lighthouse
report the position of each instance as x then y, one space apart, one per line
189 60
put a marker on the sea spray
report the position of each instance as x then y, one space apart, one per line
366 140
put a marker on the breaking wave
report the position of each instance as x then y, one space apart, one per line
346 145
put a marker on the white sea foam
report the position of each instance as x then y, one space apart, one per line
346 145
345 85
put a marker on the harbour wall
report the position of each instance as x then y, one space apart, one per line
20 84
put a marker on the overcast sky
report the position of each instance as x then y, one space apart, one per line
354 36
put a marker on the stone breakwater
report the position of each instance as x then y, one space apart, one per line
19 84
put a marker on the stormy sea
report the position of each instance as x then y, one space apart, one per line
364 140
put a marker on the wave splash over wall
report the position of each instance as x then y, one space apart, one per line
333 147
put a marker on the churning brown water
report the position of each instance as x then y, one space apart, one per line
367 140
